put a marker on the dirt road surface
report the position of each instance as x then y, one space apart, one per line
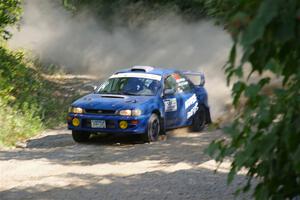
52 166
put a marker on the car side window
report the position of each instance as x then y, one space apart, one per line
178 82
170 83
183 84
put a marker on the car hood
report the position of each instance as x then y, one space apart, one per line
111 102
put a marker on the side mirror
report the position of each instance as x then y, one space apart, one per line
169 91
90 87
202 80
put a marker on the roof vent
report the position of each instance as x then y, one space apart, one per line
142 68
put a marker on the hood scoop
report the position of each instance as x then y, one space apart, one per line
131 101
112 96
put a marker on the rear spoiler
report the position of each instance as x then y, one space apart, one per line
193 75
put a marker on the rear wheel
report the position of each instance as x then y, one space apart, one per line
80 136
153 129
199 119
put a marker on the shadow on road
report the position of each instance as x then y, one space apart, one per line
58 147
64 140
114 167
183 184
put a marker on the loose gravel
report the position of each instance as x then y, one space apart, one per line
52 166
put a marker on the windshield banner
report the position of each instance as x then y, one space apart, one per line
137 75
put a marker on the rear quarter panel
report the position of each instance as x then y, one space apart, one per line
202 95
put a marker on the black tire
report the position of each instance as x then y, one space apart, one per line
153 129
199 119
80 136
163 131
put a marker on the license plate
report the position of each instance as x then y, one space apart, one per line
98 124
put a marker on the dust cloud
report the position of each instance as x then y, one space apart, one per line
80 45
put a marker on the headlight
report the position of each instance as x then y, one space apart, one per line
135 112
75 110
125 112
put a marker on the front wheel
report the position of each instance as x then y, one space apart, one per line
153 129
199 119
80 136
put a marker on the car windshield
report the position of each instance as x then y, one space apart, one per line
129 86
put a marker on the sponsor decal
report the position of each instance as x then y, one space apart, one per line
137 75
170 105
192 111
190 101
180 80
180 84
176 77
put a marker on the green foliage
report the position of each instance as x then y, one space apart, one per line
17 124
265 136
10 11
19 114
28 100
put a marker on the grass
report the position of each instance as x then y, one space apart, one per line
17 125
30 101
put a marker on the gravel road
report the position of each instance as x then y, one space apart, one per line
52 166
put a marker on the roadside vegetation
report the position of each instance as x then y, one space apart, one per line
264 138
30 101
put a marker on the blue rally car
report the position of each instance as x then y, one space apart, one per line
141 100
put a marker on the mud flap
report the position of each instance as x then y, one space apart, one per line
208 117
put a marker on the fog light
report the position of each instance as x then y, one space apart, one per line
75 122
123 124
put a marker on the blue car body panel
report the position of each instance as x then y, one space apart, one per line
175 110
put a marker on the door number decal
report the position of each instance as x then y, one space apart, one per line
170 105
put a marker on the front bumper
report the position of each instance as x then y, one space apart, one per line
112 123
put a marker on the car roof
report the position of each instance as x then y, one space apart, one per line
147 70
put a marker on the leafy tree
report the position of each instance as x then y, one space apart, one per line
125 12
265 135
10 11
29 101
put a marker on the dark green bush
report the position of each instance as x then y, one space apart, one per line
265 136
29 101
